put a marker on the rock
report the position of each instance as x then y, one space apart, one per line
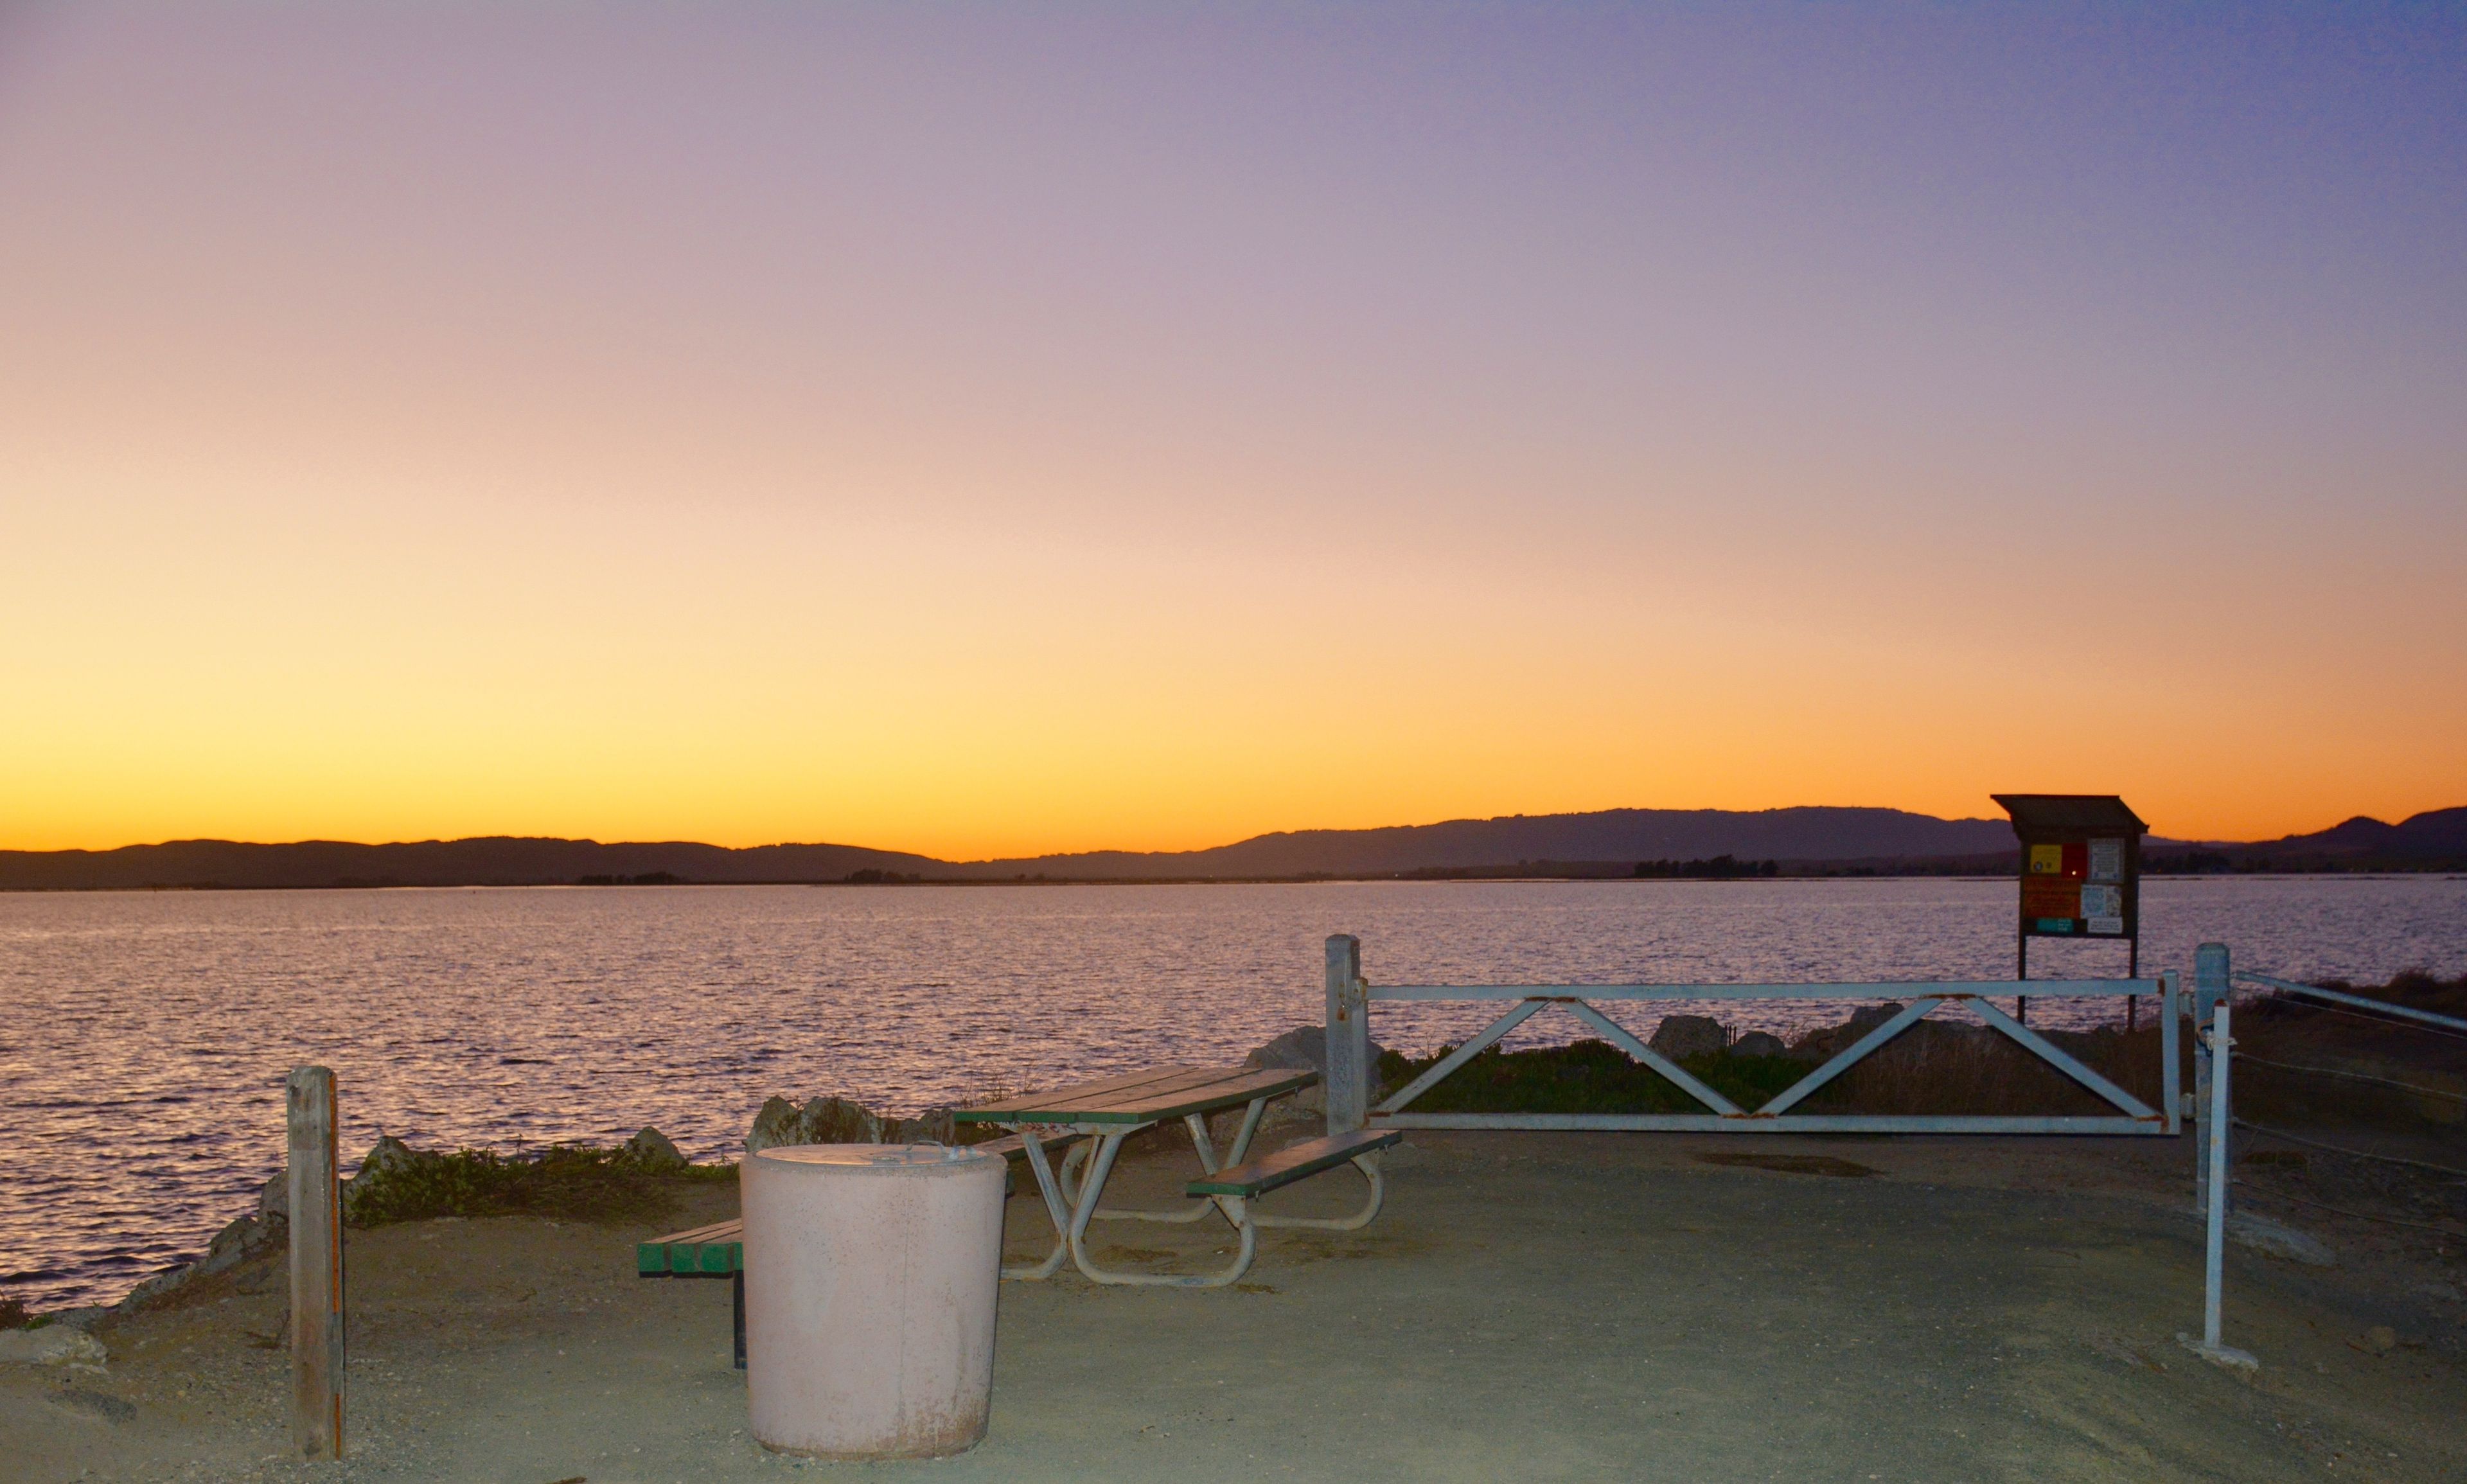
775 1125
388 1159
274 1196
1680 1037
240 1241
54 1344
1304 1047
2380 1340
1818 1046
933 1126
1757 1043
654 1152
826 1120
144 1294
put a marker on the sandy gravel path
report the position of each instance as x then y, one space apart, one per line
1530 1307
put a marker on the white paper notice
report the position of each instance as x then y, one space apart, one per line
2103 905
2106 861
2111 926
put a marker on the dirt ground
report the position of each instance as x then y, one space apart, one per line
1529 1307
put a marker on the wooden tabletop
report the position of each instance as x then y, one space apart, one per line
1142 1097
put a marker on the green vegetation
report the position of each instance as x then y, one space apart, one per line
15 1315
566 1183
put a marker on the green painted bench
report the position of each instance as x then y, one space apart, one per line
1253 1178
718 1250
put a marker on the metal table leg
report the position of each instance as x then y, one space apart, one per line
1054 1208
1207 1163
1368 1165
1091 1189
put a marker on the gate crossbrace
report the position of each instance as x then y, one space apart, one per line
1626 1042
1489 1037
1790 1096
2048 1051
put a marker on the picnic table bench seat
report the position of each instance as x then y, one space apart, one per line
1293 1163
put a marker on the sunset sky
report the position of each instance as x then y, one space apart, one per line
992 430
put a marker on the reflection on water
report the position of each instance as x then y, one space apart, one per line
148 1034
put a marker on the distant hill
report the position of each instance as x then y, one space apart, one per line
1602 844
498 861
2437 837
1800 835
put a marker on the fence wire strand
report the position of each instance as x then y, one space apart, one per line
2352 1076
2353 1153
2339 1210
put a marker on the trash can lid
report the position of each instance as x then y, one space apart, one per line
871 1155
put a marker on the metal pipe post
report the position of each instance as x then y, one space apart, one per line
2215 1247
2209 991
316 1266
2215 1137
1349 1037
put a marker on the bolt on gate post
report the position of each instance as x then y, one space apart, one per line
316 1266
1349 1037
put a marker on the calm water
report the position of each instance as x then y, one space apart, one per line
142 1065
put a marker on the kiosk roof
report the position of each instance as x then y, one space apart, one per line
2033 812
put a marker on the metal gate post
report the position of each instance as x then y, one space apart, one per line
1348 1036
2214 1139
2209 992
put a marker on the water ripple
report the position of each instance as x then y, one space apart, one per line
141 1082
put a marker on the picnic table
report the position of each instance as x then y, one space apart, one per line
1104 1114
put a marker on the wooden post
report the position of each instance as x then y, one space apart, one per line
316 1266
1349 1037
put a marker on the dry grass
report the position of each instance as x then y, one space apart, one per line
1947 1068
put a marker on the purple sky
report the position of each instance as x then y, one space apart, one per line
992 429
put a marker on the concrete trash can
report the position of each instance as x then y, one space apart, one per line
870 1272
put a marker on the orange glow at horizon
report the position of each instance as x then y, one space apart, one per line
972 456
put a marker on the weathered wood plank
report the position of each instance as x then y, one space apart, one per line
1192 1091
1008 1108
317 1360
1221 1085
1349 1037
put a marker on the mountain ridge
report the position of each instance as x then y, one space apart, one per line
1807 834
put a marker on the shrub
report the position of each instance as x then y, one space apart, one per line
567 1183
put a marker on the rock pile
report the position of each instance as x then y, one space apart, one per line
837 1120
